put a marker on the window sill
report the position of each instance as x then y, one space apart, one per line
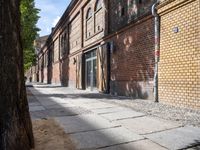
94 35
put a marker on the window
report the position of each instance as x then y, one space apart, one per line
89 23
63 44
98 5
89 13
140 1
99 16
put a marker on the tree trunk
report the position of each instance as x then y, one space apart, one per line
15 124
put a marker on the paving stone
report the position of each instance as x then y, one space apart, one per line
46 101
34 104
138 145
58 100
178 138
146 125
36 108
68 111
59 106
39 114
97 105
80 123
84 101
103 138
32 99
109 110
122 115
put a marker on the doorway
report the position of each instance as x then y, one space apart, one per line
91 70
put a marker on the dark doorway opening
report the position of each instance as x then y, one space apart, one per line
91 70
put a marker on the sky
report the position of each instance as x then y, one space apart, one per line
51 11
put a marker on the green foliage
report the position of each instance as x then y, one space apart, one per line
29 18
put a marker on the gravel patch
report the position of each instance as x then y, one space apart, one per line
183 116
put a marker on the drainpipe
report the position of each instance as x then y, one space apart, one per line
157 48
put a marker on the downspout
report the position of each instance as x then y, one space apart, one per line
157 47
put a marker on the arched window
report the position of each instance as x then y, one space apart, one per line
89 13
99 16
89 23
98 5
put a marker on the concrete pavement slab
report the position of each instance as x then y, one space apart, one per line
178 138
67 111
146 125
138 145
58 112
59 106
36 108
39 114
122 115
46 101
84 101
103 138
97 105
34 104
110 110
32 99
80 123
59 100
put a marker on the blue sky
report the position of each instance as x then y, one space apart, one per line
51 11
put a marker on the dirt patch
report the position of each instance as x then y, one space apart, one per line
50 136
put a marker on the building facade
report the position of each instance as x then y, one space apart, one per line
179 66
108 46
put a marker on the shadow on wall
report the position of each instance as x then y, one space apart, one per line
132 89
64 71
50 60
132 62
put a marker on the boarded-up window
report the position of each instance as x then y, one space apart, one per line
56 50
75 34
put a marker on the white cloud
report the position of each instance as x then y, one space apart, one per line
49 14
55 21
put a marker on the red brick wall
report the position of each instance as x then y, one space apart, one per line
45 75
122 12
132 63
56 73
64 70
72 72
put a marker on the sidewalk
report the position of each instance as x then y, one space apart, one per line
97 121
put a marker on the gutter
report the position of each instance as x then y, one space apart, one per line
157 47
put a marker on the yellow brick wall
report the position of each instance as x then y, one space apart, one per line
179 66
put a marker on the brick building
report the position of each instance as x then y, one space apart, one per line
108 45
179 66
33 72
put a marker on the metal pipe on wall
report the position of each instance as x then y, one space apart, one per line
157 48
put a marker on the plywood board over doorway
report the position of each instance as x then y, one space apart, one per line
103 62
79 71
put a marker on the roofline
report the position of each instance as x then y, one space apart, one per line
67 11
